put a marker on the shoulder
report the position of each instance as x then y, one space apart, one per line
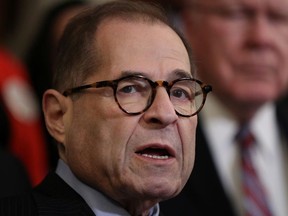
52 197
55 197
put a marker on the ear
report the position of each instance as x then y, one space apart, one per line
55 107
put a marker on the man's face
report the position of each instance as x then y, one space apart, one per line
113 151
241 47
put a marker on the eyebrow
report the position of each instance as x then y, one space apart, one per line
182 73
175 74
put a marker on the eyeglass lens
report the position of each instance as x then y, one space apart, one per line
136 94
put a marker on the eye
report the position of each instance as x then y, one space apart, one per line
182 94
129 89
236 13
278 17
133 87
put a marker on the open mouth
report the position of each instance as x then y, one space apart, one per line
155 153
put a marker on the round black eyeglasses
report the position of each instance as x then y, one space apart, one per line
134 94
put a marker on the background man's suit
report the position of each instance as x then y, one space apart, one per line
204 194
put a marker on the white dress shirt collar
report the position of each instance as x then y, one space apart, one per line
100 204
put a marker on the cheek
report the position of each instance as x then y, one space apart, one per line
98 148
215 54
82 141
85 135
109 134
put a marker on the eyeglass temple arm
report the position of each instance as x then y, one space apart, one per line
93 85
204 89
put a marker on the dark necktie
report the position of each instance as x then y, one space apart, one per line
254 198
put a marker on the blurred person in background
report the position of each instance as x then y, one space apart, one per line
241 48
41 54
20 125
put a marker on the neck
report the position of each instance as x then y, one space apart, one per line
140 208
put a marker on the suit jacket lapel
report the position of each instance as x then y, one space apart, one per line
204 194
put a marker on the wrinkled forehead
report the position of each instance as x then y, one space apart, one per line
141 46
137 35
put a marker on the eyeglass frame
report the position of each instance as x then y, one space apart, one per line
154 84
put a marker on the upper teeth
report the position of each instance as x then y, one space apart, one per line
156 156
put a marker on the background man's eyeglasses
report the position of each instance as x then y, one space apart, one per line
134 94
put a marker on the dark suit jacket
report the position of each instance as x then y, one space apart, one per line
53 197
14 180
204 194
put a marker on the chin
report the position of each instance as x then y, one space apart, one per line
163 190
253 95
260 98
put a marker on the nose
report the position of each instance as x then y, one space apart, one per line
261 32
162 110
